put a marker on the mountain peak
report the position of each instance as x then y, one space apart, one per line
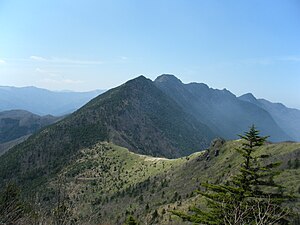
199 85
139 80
249 97
141 77
167 78
138 83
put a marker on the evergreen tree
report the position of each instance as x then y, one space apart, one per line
131 221
62 213
297 163
147 207
289 164
251 197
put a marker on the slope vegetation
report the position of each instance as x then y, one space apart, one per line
136 115
107 183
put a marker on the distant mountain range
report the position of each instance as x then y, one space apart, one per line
288 119
224 113
43 102
160 118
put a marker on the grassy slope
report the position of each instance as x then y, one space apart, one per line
107 181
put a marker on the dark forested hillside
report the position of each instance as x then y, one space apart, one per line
17 125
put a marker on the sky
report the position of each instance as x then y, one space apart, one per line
243 46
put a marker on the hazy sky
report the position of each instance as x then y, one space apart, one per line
244 46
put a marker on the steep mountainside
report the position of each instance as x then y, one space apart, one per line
220 110
139 116
288 119
43 102
136 115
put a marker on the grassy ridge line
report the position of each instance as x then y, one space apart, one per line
225 166
105 171
110 180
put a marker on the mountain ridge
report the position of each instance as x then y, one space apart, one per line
136 115
220 110
287 118
101 157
